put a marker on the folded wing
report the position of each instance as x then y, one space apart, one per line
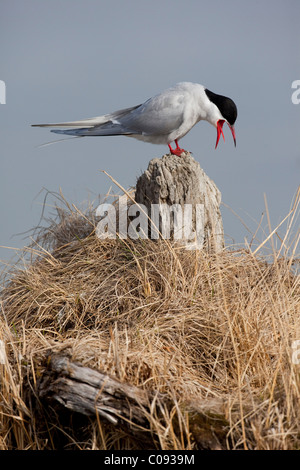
158 116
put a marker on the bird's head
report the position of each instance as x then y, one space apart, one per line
223 110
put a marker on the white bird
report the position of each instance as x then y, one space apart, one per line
163 119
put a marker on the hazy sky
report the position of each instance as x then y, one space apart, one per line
71 59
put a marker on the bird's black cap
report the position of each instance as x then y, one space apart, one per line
226 106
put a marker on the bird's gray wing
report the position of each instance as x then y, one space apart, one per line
90 122
158 116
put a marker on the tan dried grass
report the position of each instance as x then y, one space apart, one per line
188 324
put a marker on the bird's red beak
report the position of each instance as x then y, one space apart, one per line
220 124
219 131
233 133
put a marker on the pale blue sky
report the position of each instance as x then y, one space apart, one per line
71 59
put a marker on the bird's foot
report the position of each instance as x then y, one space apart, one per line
177 151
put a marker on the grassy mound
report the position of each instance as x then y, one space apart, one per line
186 324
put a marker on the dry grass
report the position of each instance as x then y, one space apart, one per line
187 324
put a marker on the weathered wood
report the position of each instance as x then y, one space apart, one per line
173 180
91 393
88 391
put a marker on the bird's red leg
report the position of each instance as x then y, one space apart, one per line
171 150
178 151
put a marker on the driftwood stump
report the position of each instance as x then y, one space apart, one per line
95 394
187 200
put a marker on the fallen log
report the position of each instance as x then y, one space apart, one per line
91 393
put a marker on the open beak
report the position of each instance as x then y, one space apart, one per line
220 124
219 131
233 133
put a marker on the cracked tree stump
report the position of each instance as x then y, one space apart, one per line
186 197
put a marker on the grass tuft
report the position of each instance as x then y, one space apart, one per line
187 324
